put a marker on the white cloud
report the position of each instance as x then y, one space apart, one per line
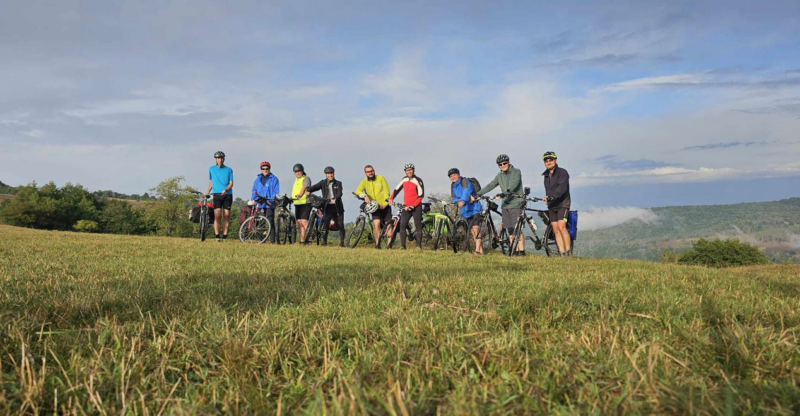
656 82
606 217
308 92
34 133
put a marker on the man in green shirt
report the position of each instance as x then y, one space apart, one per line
375 188
509 179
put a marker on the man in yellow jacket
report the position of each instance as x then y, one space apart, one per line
375 188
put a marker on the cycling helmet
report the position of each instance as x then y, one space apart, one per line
452 171
371 207
501 158
219 153
298 168
265 163
549 155
329 169
408 166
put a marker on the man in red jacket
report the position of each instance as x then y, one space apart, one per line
413 192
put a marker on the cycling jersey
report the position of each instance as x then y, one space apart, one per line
413 191
299 183
220 177
556 187
376 189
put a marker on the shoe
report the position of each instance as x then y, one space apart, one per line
324 243
377 246
341 244
402 247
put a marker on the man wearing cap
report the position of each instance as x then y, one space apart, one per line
334 208
267 186
556 187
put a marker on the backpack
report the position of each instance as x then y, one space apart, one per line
475 185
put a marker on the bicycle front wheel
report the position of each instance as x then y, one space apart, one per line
203 224
516 237
486 234
355 234
427 234
549 242
254 230
462 238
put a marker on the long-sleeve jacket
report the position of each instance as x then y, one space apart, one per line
510 182
267 190
326 195
556 187
461 194
413 191
377 189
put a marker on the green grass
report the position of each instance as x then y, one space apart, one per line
100 324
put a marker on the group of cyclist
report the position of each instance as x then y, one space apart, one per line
379 198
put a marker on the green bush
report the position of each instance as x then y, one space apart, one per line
722 253
86 226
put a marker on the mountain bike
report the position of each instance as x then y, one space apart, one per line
354 236
285 221
487 231
314 230
206 210
458 236
548 240
255 228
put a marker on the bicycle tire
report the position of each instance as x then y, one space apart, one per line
291 231
203 223
387 241
254 229
355 235
504 243
549 242
516 237
427 234
486 235
462 237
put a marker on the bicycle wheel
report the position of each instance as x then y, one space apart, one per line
516 237
486 234
549 242
203 223
290 232
386 241
438 241
254 230
427 234
503 241
355 234
462 238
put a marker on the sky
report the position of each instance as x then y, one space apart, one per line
647 103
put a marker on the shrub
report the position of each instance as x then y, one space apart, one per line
722 253
669 256
86 226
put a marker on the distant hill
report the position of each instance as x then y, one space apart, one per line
7 189
772 226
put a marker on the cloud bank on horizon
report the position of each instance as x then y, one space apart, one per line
118 95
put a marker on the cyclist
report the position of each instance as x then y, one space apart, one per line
413 191
267 185
375 188
220 184
299 193
556 186
461 189
334 208
510 181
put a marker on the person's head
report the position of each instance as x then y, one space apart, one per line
409 169
454 174
370 172
502 162
329 173
219 157
550 159
265 168
299 170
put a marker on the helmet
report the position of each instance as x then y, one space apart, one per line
329 169
549 155
265 163
502 158
408 166
219 153
371 207
452 171
298 167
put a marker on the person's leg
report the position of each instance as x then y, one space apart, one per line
417 213
217 219
567 238
227 214
301 228
326 221
270 214
478 240
559 228
376 230
404 217
340 224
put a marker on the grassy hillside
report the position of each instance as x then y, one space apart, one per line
103 324
773 226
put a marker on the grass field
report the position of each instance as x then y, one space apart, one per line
100 324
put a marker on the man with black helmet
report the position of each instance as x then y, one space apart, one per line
220 185
556 187
461 192
334 208
299 192
509 179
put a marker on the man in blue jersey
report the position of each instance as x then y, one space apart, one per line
220 185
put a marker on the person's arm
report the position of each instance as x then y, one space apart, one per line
210 185
515 180
253 192
465 194
489 186
361 187
316 187
396 191
277 187
561 187
383 198
228 188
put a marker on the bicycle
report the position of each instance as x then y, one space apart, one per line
487 231
459 236
548 240
314 230
255 228
206 212
361 223
285 221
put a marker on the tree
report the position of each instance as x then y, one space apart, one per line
86 226
50 207
119 217
722 253
168 212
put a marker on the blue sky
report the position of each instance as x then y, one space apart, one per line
694 100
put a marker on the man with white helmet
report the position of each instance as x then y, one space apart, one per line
374 188
413 191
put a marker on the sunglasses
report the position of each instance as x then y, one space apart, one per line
502 164
264 168
369 171
549 160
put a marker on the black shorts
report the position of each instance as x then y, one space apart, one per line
301 212
385 215
474 221
223 201
558 214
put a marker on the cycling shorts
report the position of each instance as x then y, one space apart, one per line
385 215
558 214
223 201
301 212
474 221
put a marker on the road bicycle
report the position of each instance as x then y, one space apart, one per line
285 221
255 228
206 212
458 236
487 231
